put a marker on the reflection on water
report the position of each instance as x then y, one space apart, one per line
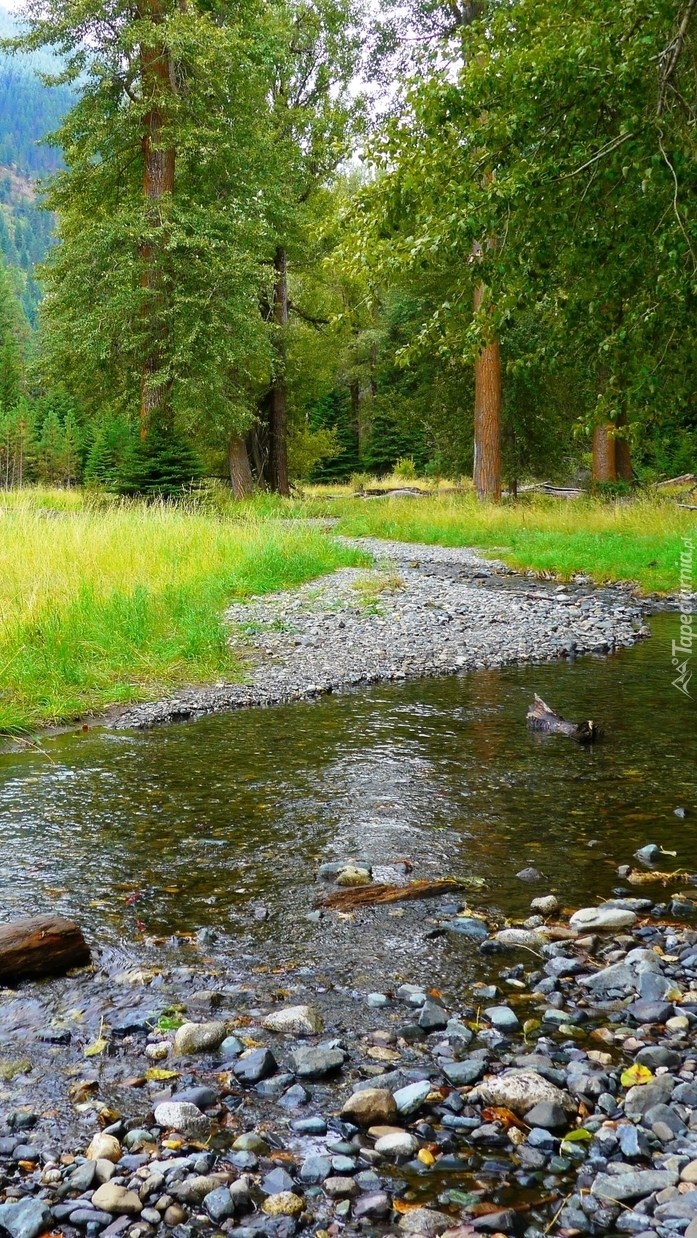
168 831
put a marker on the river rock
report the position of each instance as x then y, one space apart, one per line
502 1018
340 1187
353 876
375 1206
25 1219
295 1021
255 1066
432 1017
370 1106
183 1117
425 1222
460 1074
412 1097
548 1115
251 1142
315 1169
593 918
468 926
400 1144
276 1182
521 1090
104 1148
644 1096
285 1204
118 1199
513 937
545 904
198 1038
636 1184
230 1048
219 1204
318 1062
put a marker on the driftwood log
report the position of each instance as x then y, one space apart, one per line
40 946
366 896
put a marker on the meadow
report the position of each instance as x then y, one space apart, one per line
106 603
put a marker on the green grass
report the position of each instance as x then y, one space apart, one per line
104 604
639 540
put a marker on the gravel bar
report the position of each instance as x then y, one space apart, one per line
420 611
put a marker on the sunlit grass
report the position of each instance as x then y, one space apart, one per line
639 540
106 606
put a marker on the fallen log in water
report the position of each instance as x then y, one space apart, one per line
40 946
366 896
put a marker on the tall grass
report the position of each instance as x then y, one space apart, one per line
115 604
639 540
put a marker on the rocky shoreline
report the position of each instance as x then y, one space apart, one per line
556 1095
421 611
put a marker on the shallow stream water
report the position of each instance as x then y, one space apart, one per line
157 834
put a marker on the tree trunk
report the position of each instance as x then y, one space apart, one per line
623 459
240 473
278 446
487 416
604 455
158 180
41 946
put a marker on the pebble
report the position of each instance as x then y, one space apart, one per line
286 1204
409 1099
398 1145
104 1148
183 1117
113 1198
425 1222
317 1063
521 1090
26 1218
592 918
370 1106
294 1021
255 1065
198 1038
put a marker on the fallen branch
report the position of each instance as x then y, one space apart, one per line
42 946
366 896
676 481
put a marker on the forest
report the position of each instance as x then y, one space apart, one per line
320 240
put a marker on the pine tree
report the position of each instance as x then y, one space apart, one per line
333 411
111 439
50 459
159 465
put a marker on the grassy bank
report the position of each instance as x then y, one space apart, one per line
640 540
116 604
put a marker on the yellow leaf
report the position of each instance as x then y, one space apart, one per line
158 1074
97 1047
635 1074
172 1143
531 1025
426 1157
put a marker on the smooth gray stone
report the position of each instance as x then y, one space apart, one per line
315 1169
432 1017
659 1055
82 1176
645 1095
636 1184
412 1097
317 1062
27 1218
219 1204
462 1073
259 1065
548 1115
467 926
274 1086
632 1140
89 1216
295 1097
618 976
309 1126
375 1205
230 1047
503 1018
276 1181
202 1097
684 1206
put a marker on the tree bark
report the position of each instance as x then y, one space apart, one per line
241 478
278 426
487 416
604 454
158 180
623 458
40 946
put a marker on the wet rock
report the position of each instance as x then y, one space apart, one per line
400 1144
113 1198
174 1215
183 1117
340 1187
255 1066
219 1204
82 1176
230 1048
689 1172
198 1038
520 937
104 1147
425 1222
377 1001
546 904
276 1182
295 1021
317 1063
503 1222
651 1012
375 1206
295 1097
370 1106
589 919
201 1097
85 1215
309 1126
412 1097
315 1169
352 876
521 1090
644 1096
503 1018
547 1114
286 1204
529 874
25 1219
468 926
632 1141
275 1085
636 1184
251 1142
460 1074
432 1018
